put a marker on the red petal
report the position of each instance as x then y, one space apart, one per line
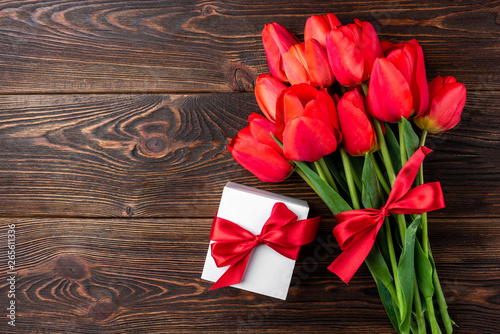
267 90
389 96
345 57
316 61
447 106
294 65
359 133
261 160
317 26
307 139
435 85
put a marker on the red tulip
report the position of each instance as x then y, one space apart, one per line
307 123
398 84
408 57
255 150
308 63
317 26
267 89
277 40
359 136
352 49
447 100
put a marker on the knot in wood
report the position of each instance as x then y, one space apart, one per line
71 268
244 81
103 309
155 144
207 10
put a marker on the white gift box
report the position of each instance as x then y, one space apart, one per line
268 272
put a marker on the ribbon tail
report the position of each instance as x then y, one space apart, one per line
233 274
407 174
349 261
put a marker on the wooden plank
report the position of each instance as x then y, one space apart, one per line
127 275
198 46
166 156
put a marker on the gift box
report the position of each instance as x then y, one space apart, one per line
267 272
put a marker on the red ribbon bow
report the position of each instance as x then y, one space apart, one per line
357 229
233 244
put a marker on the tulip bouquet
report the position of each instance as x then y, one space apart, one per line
331 105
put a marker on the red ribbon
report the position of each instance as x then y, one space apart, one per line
357 229
233 244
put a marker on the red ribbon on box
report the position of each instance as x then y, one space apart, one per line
233 244
357 229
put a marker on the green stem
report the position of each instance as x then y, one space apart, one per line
380 176
438 292
357 181
404 159
328 174
402 144
419 313
413 327
394 264
390 172
365 89
390 246
402 227
346 161
320 171
423 137
385 151
432 316
425 232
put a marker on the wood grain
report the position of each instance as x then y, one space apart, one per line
166 156
114 120
127 275
210 46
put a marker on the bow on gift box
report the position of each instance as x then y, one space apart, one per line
357 229
233 244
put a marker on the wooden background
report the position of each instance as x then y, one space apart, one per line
114 116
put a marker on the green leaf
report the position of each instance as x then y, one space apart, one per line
424 272
412 141
383 245
332 199
369 194
378 267
393 147
357 164
406 274
391 309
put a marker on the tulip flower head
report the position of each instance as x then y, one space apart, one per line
359 136
447 101
267 89
398 84
317 27
307 123
255 150
308 63
352 50
277 41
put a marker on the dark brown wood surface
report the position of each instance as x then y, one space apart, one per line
114 116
